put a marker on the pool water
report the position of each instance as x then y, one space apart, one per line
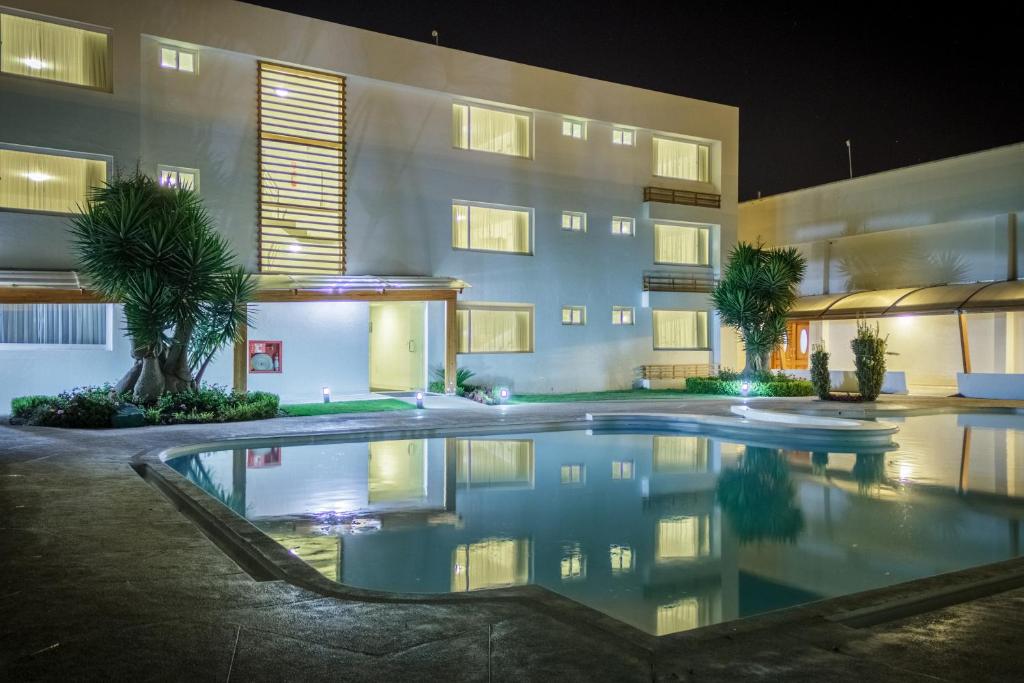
664 532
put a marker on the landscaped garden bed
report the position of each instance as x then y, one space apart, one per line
769 385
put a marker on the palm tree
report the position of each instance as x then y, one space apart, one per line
756 291
155 250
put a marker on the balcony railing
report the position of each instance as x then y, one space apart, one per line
680 282
667 195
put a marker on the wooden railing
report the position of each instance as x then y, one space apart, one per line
680 282
667 195
677 371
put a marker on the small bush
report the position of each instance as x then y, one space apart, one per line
81 408
734 387
869 360
819 372
462 376
23 406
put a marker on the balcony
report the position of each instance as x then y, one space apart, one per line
665 195
702 281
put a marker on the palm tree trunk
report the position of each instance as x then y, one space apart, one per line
150 384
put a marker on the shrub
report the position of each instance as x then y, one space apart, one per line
462 376
819 372
23 406
775 386
82 407
869 360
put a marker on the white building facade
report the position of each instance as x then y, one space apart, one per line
556 209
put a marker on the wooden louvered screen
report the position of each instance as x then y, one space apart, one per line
302 170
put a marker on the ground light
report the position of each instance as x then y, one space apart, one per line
745 388
419 400
503 395
327 394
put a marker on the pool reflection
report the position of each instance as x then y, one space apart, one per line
664 532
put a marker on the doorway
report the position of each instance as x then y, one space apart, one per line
398 340
793 353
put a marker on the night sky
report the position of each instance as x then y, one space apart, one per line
907 85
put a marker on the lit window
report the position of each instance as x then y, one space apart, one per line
573 128
623 136
494 462
683 538
681 244
490 130
54 52
178 176
178 58
31 181
574 565
680 330
622 315
396 471
494 328
682 159
680 454
483 227
681 615
622 225
55 324
621 557
574 315
574 221
572 474
622 469
491 563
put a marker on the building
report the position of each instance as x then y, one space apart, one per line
401 201
930 252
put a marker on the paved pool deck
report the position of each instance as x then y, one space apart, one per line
101 578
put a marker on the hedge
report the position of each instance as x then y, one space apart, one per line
734 387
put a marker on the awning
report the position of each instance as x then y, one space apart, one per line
975 297
66 286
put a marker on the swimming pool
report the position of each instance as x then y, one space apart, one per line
663 531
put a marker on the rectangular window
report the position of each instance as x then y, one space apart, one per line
490 563
302 171
574 315
686 245
490 130
491 462
622 469
54 51
178 58
679 454
682 159
573 128
681 615
574 565
495 328
623 136
680 330
481 227
683 538
31 181
622 315
621 557
83 325
178 176
572 474
574 221
622 225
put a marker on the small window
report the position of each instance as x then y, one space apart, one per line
574 315
178 176
622 315
623 136
621 557
574 221
574 565
622 225
573 474
54 51
178 58
622 469
573 128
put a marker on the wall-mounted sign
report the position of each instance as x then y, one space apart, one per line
257 458
265 356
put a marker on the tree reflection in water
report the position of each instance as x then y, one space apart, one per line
869 471
192 468
758 497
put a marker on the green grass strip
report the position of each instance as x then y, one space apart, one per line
338 407
621 395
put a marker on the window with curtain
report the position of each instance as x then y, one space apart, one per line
33 181
680 329
490 130
54 52
487 462
572 474
683 538
622 315
491 228
682 159
495 328
55 324
575 221
491 563
622 225
621 557
686 245
681 615
574 315
622 469
680 454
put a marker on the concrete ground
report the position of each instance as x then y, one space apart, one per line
102 578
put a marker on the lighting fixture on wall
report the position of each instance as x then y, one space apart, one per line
327 394
37 176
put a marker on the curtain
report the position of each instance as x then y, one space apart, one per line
494 462
462 325
71 324
679 159
680 454
46 182
500 331
460 226
460 126
490 130
681 244
681 615
53 51
494 229
683 538
680 329
490 563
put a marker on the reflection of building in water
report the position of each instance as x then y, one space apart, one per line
491 563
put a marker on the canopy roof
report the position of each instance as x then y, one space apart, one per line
975 297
